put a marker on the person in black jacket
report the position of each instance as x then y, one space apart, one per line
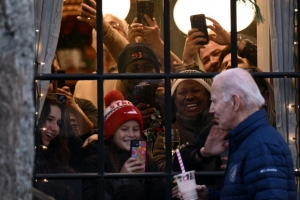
260 164
123 123
58 150
263 84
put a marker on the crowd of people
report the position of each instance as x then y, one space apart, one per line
232 112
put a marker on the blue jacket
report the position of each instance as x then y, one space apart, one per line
260 164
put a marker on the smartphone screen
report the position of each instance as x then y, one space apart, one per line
199 22
138 150
60 97
87 2
143 94
144 7
62 82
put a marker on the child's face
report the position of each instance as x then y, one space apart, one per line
125 133
52 125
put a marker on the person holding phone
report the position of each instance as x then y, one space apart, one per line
83 110
54 154
149 34
140 58
122 124
114 32
114 40
209 54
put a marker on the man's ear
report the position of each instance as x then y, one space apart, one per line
236 101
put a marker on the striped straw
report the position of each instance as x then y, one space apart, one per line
180 160
180 163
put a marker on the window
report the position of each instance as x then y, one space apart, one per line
96 70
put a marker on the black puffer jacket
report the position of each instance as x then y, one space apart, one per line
144 189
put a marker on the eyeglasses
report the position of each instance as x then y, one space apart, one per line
117 26
141 68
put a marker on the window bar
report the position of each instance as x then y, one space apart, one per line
168 106
100 67
297 109
233 34
167 76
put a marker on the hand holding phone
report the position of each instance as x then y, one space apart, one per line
199 22
60 97
143 94
87 2
138 150
144 7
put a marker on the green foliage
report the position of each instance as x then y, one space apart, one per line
155 128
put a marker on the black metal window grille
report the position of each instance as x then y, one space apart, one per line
100 77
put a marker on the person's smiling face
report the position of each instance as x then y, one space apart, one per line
51 127
210 56
191 98
128 131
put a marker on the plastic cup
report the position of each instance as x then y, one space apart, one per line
187 185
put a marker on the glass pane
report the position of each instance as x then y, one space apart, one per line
59 189
200 48
134 48
74 49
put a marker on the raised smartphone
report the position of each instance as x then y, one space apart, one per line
138 150
143 94
199 22
62 82
60 97
144 7
87 2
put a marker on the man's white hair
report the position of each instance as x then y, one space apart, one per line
240 82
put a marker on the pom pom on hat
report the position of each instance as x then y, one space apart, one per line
118 111
112 96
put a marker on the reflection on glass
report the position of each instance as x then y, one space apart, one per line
206 58
76 53
217 9
175 139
